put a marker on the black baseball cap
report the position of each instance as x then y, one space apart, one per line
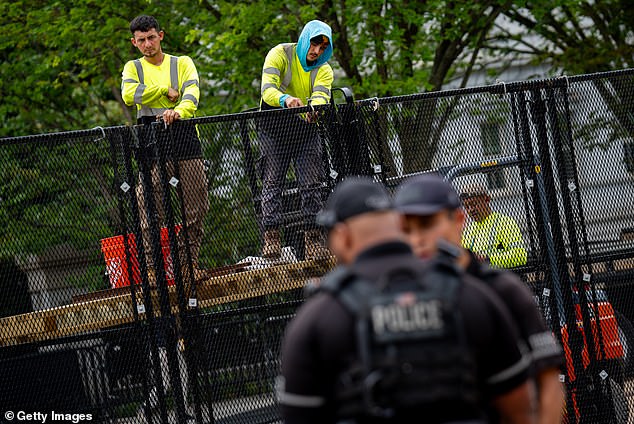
351 197
425 195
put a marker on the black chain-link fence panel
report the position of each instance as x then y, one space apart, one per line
148 272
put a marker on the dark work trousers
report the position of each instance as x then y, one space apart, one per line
193 179
282 141
195 198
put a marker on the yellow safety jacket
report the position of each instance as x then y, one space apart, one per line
283 74
145 85
497 237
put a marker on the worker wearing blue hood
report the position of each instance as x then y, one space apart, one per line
294 75
294 72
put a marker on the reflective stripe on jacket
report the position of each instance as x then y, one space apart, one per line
497 237
278 78
146 85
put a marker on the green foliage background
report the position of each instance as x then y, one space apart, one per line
62 61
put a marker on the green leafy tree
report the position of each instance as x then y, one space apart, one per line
62 61
47 201
581 37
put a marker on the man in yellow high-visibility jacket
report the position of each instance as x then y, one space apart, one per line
166 87
294 75
492 236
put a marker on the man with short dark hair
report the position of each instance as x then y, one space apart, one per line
162 86
492 236
320 350
431 211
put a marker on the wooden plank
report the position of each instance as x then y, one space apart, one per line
261 282
102 311
594 268
623 264
113 307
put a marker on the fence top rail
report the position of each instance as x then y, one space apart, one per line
602 75
95 134
254 113
500 88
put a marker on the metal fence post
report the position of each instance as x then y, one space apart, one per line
123 140
145 156
554 233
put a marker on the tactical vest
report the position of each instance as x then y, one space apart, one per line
412 351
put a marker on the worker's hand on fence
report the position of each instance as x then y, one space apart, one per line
312 117
172 95
170 116
293 102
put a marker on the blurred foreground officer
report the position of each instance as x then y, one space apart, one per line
390 338
431 211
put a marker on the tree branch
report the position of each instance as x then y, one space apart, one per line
211 8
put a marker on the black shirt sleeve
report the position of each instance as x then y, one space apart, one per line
544 350
313 350
495 339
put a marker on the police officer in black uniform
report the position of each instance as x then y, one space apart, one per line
431 210
321 347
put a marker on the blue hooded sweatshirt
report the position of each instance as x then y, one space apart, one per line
313 29
286 72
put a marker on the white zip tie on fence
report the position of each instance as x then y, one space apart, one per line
375 103
498 81
313 114
103 133
309 103
565 77
125 187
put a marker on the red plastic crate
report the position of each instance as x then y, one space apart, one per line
113 249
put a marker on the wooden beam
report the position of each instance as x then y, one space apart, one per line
106 311
114 307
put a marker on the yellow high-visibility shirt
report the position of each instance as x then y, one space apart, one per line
497 237
280 78
145 85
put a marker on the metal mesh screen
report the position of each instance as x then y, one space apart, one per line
131 263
